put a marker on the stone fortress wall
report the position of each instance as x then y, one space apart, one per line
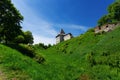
106 28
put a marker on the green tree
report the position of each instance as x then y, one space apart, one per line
10 20
49 45
114 10
113 14
19 39
117 0
103 20
28 37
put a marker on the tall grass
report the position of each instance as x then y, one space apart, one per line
86 57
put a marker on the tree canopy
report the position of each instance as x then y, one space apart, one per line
28 37
25 38
113 14
118 0
10 20
114 10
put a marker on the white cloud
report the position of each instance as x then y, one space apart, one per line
78 27
72 26
42 30
44 40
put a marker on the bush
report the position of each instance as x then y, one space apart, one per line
24 49
19 39
91 30
42 46
27 50
39 58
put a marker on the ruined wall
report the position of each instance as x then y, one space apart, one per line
106 28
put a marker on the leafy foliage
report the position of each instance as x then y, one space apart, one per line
42 46
88 56
113 14
104 19
28 37
27 50
118 0
114 10
24 37
19 39
10 20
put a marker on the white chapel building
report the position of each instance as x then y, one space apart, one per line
63 37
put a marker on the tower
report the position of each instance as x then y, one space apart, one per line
60 36
63 37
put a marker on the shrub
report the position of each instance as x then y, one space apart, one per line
39 58
27 50
42 46
91 30
19 39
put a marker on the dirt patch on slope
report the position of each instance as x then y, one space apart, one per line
2 76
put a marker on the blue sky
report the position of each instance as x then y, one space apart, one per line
45 18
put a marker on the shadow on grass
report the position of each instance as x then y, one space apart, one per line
24 49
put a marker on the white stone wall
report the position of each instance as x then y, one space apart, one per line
67 37
61 38
57 40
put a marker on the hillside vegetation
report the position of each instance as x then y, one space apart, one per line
16 66
89 56
86 57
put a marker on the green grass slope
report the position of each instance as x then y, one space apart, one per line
15 66
86 57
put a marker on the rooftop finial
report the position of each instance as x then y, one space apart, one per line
62 31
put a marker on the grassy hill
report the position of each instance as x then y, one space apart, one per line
16 66
86 57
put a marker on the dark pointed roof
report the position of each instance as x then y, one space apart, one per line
62 31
